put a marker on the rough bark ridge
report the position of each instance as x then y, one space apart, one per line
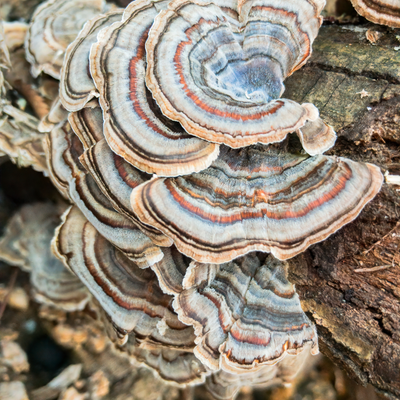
356 86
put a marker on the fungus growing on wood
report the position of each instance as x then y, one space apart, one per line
190 91
249 299
134 127
130 296
54 25
171 270
316 137
76 84
245 314
19 137
384 12
26 244
117 178
63 149
114 176
258 198
219 79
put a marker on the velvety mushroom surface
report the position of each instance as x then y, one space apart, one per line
216 75
162 139
19 136
76 84
257 198
63 150
55 24
114 176
130 296
316 137
134 127
87 124
245 313
384 12
57 113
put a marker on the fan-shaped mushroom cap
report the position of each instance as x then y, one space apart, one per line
76 85
257 198
56 115
26 243
224 385
226 303
114 176
222 80
316 137
54 25
63 149
133 125
384 12
179 368
130 296
245 314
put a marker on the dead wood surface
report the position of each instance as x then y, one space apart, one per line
350 284
356 86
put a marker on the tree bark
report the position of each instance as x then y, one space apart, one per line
356 310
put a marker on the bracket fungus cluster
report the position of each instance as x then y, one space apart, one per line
170 140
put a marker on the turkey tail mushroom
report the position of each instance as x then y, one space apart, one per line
134 127
56 115
257 198
316 137
20 139
76 84
129 295
245 315
217 76
113 175
54 25
67 173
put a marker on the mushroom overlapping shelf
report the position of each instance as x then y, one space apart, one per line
170 139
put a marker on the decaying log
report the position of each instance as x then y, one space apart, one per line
350 284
